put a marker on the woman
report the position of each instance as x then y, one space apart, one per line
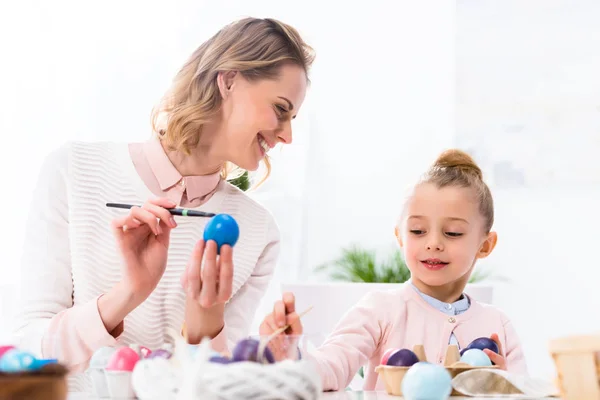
230 103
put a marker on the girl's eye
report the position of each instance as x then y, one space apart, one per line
454 234
417 232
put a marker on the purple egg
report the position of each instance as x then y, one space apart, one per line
160 353
483 343
220 360
247 350
403 358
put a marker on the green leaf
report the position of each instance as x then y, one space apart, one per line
242 182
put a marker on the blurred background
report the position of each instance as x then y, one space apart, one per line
515 83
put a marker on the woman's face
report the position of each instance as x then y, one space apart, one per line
257 115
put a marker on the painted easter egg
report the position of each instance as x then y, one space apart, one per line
4 349
160 353
101 356
15 360
402 358
484 343
426 381
223 229
247 350
386 355
476 358
123 359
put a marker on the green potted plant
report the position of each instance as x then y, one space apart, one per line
359 265
242 181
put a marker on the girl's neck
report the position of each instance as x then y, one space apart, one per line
448 293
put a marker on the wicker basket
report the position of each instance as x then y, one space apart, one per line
194 377
393 376
49 383
577 364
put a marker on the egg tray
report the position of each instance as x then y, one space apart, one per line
392 376
577 361
48 383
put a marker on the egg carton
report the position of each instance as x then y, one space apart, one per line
577 361
392 376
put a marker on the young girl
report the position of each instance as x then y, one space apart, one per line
444 229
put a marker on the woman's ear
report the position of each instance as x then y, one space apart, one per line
225 81
488 245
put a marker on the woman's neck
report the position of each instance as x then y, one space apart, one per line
201 161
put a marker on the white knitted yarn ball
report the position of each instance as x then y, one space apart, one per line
294 380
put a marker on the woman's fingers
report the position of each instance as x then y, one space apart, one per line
209 275
194 283
225 266
160 213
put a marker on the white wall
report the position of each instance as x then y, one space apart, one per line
394 83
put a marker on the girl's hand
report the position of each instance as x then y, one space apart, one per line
283 346
497 359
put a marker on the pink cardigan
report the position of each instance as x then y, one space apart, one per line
400 318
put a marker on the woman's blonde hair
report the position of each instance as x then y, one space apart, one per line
456 168
254 47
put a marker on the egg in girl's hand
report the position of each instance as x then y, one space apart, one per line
15 360
476 358
426 381
402 358
223 229
483 343
123 359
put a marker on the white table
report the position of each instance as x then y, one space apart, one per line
347 395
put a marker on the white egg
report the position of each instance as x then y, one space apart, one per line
100 357
154 378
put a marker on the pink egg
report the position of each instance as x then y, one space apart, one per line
4 349
123 359
145 351
386 355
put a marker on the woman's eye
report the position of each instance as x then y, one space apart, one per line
416 231
280 110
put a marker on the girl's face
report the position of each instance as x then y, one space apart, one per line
442 235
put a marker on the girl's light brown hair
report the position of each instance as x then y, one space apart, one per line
254 47
456 168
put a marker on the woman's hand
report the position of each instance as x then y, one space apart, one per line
207 282
143 240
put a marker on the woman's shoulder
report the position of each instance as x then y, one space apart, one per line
248 211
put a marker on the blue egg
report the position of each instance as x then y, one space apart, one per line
223 229
16 361
426 381
476 358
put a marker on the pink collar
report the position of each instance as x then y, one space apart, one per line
167 175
